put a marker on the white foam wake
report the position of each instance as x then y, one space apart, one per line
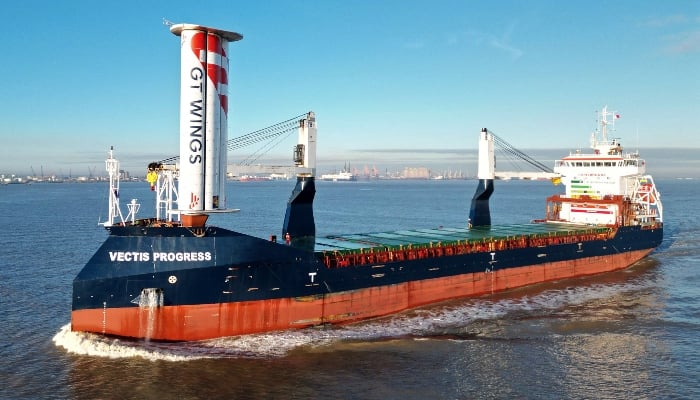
83 343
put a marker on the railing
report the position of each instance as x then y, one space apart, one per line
382 255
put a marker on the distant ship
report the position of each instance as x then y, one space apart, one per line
172 277
343 175
339 176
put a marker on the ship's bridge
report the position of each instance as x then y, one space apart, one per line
627 164
599 174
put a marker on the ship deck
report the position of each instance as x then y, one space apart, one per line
403 238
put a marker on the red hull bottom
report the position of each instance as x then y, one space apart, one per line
206 321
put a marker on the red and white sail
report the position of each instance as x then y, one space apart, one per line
203 116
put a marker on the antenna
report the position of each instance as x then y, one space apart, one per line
167 22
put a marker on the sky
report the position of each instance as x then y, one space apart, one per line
408 80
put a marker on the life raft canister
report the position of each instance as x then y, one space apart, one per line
152 177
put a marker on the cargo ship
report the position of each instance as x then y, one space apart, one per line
173 277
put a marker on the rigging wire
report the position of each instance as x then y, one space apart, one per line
265 133
504 157
274 135
267 147
508 148
270 132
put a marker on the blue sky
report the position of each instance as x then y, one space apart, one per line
385 78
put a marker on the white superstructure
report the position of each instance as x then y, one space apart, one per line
599 183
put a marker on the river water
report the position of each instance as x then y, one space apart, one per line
628 334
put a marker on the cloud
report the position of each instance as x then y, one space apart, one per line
680 42
412 151
668 20
477 38
685 42
501 43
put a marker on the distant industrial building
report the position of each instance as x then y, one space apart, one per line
416 173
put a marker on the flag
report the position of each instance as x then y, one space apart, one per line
617 116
